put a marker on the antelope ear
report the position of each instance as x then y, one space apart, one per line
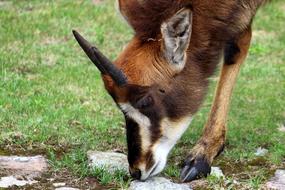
176 33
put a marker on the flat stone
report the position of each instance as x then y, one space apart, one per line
261 152
157 183
24 164
110 161
10 181
66 188
278 181
217 172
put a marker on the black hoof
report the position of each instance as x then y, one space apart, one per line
195 169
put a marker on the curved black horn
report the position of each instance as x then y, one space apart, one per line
102 63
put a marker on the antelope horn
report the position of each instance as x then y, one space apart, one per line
104 65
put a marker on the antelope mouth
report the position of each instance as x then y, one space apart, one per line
153 169
151 173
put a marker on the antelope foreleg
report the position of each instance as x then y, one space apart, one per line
198 163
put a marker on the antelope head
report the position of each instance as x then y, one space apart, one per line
150 83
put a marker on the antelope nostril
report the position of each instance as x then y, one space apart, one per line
135 173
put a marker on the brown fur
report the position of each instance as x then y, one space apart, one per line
214 23
159 92
215 129
147 16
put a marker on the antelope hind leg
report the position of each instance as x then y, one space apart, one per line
198 163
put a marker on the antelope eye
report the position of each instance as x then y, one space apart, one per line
144 102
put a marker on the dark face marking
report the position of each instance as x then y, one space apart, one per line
149 103
143 101
133 141
143 114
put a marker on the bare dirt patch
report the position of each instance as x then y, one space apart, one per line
5 4
262 35
283 7
76 90
49 40
96 2
34 173
23 69
49 60
47 181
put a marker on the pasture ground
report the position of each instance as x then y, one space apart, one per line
52 100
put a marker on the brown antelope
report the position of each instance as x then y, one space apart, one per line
161 77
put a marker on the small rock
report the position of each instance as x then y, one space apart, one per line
9 181
110 161
157 183
261 152
217 172
282 128
278 181
58 184
66 188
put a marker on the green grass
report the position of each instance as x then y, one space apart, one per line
52 99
